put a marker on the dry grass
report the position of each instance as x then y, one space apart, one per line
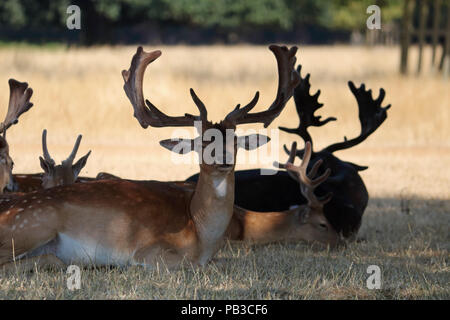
406 226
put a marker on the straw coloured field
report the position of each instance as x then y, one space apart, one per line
405 229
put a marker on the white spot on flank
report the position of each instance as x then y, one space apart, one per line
7 212
39 201
13 228
220 186
34 198
17 217
20 209
29 207
25 201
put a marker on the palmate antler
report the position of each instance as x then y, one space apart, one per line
149 115
19 102
307 182
371 116
306 105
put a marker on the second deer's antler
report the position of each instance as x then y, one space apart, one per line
371 116
306 105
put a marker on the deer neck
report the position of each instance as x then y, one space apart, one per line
211 206
262 227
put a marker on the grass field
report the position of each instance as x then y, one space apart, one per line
405 229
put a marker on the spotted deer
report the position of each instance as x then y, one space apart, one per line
121 222
305 222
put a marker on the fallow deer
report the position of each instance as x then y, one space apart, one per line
305 222
54 175
267 193
19 103
120 222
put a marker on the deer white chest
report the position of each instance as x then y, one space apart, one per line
220 186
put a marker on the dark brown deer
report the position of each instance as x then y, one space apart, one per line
19 103
121 222
268 193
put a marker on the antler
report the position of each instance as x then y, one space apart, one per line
307 183
45 152
371 116
150 115
19 102
288 79
71 157
306 104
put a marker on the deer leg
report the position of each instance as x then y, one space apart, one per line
45 261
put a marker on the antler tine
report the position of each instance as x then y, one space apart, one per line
290 160
288 79
73 154
47 156
306 104
308 184
371 116
150 115
19 102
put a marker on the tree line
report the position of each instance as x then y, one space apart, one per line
109 21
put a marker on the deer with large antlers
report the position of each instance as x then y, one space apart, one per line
19 103
305 222
279 192
122 222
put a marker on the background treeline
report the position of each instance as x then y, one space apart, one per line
190 21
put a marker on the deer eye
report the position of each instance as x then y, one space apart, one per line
323 226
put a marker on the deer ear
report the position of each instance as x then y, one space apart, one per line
252 141
47 167
180 146
76 168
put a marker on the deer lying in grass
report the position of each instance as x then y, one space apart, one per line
54 175
279 192
19 103
305 222
120 222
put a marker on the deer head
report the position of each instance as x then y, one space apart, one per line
19 102
310 223
64 174
219 160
